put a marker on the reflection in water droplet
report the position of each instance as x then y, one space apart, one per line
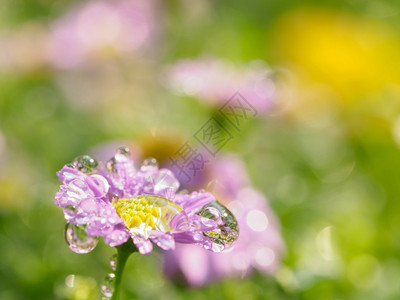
108 286
69 212
110 165
98 184
227 230
113 196
149 163
113 262
78 240
162 183
124 151
85 163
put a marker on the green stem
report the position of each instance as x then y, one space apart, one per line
123 252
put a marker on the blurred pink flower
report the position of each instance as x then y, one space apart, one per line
96 28
215 81
259 245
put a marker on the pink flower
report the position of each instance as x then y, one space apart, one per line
259 245
97 28
117 202
215 82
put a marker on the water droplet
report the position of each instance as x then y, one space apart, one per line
69 212
110 165
163 183
211 216
85 164
113 196
78 240
198 237
218 246
113 262
143 245
149 164
124 151
98 184
165 241
108 286
227 231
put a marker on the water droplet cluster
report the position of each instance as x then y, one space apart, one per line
107 288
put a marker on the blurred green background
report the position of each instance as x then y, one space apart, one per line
327 156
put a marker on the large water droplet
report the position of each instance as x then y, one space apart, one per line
78 240
85 164
162 183
149 164
227 231
211 216
98 184
113 262
108 286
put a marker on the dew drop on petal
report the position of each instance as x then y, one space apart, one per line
143 245
227 230
85 163
163 183
78 240
69 212
78 189
113 262
218 246
166 242
211 216
149 164
124 151
197 237
110 165
98 184
208 222
108 286
123 154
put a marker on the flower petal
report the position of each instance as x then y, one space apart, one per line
142 244
116 237
165 241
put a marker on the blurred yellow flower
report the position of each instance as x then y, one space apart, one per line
351 55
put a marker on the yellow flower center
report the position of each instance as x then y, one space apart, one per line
146 212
